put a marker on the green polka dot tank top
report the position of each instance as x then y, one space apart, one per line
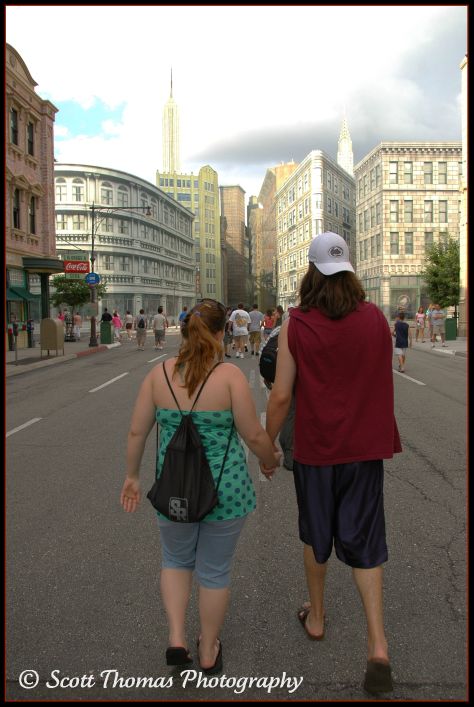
236 491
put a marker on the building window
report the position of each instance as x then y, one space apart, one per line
124 263
372 247
31 138
123 226
408 172
106 193
360 188
409 243
372 216
108 262
14 126
78 222
443 211
394 212
428 240
377 175
442 172
77 190
122 196
16 208
377 213
61 222
61 189
428 212
366 219
32 214
428 172
372 179
408 211
394 247
393 173
378 241
443 237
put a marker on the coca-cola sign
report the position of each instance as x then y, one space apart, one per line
77 266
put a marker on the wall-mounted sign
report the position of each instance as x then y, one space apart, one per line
76 266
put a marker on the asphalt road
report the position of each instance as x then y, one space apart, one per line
82 577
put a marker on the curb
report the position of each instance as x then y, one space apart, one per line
13 370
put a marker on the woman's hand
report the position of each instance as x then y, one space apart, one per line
131 495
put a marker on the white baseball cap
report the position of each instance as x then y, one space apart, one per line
330 253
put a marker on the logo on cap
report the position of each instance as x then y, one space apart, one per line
335 251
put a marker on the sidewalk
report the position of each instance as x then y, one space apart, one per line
457 347
30 359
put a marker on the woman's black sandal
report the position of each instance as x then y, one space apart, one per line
177 656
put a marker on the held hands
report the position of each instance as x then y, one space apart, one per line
269 471
131 495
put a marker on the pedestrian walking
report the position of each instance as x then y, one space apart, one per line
224 408
141 330
240 322
77 319
438 327
420 324
337 459
268 324
106 316
255 330
403 339
128 319
117 325
228 333
182 317
428 321
278 316
159 327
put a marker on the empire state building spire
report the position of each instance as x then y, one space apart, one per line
345 156
171 161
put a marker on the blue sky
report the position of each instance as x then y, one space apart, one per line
85 121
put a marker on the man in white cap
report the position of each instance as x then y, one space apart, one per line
344 427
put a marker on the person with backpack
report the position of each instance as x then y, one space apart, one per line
141 330
217 398
338 459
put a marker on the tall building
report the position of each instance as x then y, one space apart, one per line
233 210
145 261
407 199
463 295
171 162
200 194
261 222
30 243
345 156
319 196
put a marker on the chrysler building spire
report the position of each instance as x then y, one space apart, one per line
171 161
345 156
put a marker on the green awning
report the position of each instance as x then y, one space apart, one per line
12 296
23 293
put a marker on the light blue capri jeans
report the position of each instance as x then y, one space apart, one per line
207 548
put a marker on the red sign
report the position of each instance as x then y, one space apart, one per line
77 266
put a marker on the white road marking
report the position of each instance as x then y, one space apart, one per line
108 382
156 359
404 375
22 427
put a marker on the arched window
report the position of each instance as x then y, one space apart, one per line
77 190
106 193
32 215
61 189
16 208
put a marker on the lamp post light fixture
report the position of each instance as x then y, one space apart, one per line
104 211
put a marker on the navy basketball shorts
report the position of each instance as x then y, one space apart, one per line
343 504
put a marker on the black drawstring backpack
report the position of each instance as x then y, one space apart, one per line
185 492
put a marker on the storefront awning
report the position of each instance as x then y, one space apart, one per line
22 294
12 296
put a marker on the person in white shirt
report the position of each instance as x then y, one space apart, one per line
255 329
159 326
240 322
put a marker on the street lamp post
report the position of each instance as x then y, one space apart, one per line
105 211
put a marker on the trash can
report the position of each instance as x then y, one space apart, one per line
105 333
451 329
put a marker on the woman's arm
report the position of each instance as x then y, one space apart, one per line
282 389
246 420
143 419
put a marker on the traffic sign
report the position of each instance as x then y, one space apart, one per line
92 278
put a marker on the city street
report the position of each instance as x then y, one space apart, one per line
83 593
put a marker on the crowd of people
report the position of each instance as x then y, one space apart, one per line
337 461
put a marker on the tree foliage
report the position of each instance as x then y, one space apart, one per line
441 273
73 292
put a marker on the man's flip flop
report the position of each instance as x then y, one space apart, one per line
302 616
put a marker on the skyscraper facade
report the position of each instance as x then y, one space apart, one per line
233 210
171 159
407 199
345 156
319 196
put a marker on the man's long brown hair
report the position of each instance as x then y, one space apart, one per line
334 295
199 347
